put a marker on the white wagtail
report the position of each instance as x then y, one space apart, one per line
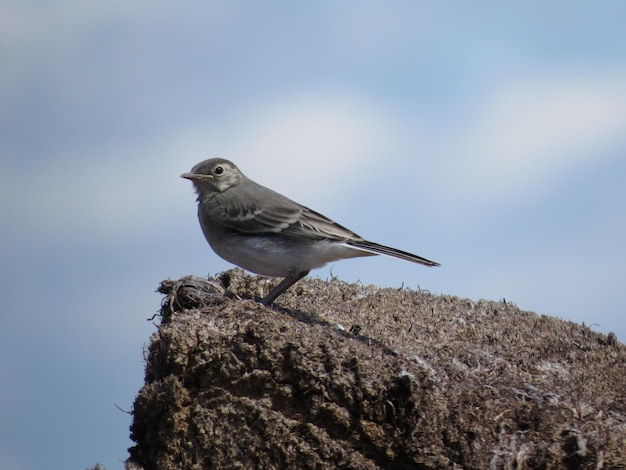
266 233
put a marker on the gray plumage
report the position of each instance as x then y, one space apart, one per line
266 233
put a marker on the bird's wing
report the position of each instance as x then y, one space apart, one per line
314 225
281 215
300 222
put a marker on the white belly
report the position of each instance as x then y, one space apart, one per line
280 257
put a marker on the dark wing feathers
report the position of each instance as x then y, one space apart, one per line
280 215
316 226
296 222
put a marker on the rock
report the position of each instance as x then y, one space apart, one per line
347 376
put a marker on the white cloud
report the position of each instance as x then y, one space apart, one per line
314 146
311 145
531 131
304 146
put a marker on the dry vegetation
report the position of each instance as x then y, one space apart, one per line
348 376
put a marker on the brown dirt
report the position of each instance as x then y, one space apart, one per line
348 376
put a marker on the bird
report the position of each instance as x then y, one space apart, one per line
266 233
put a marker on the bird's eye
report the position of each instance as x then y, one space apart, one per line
219 170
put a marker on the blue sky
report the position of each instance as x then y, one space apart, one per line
488 137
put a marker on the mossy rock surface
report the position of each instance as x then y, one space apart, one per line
341 375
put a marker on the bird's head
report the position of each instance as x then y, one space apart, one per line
214 175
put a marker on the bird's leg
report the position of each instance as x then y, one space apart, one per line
282 287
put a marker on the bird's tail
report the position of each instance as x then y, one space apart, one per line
377 249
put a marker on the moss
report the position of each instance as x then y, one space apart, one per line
342 375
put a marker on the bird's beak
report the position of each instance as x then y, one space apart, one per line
195 176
